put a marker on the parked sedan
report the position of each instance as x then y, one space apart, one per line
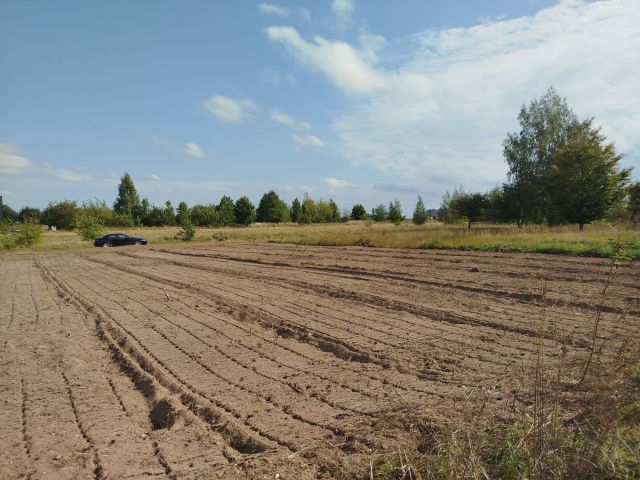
117 240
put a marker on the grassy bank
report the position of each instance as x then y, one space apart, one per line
594 241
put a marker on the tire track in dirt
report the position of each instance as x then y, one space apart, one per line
97 471
488 350
192 397
294 388
26 440
123 432
300 334
268 398
253 332
428 312
526 298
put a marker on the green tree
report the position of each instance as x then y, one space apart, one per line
88 225
586 182
272 209
127 202
183 211
99 210
472 206
204 215
29 214
244 211
61 215
544 127
187 230
323 212
145 208
226 215
335 216
295 211
9 213
394 213
633 203
379 213
358 212
419 213
169 214
308 211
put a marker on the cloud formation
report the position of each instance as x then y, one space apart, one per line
343 10
344 66
335 183
11 159
310 141
279 10
284 119
193 150
189 149
443 113
229 110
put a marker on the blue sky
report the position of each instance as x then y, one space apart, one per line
360 101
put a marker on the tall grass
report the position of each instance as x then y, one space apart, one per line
572 417
594 241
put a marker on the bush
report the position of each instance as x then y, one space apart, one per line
89 227
187 230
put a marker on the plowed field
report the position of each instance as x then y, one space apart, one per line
247 360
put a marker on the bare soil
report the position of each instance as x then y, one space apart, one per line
247 360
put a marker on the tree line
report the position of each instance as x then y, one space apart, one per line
561 170
129 211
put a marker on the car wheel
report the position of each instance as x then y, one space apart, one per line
138 243
106 244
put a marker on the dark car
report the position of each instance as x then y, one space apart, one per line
117 240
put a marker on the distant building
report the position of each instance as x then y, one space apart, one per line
434 213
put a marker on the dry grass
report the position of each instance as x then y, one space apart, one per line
594 241
569 419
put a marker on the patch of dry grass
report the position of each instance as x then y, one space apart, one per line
594 241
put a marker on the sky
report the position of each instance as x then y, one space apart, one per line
358 101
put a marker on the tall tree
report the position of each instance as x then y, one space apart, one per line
358 212
183 212
585 181
296 210
169 213
472 206
272 209
544 127
633 203
127 201
394 214
61 215
419 213
245 211
379 213
29 214
308 211
226 214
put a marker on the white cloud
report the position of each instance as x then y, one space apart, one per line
343 9
271 9
229 110
284 119
193 150
190 149
335 183
444 112
343 65
11 159
308 141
